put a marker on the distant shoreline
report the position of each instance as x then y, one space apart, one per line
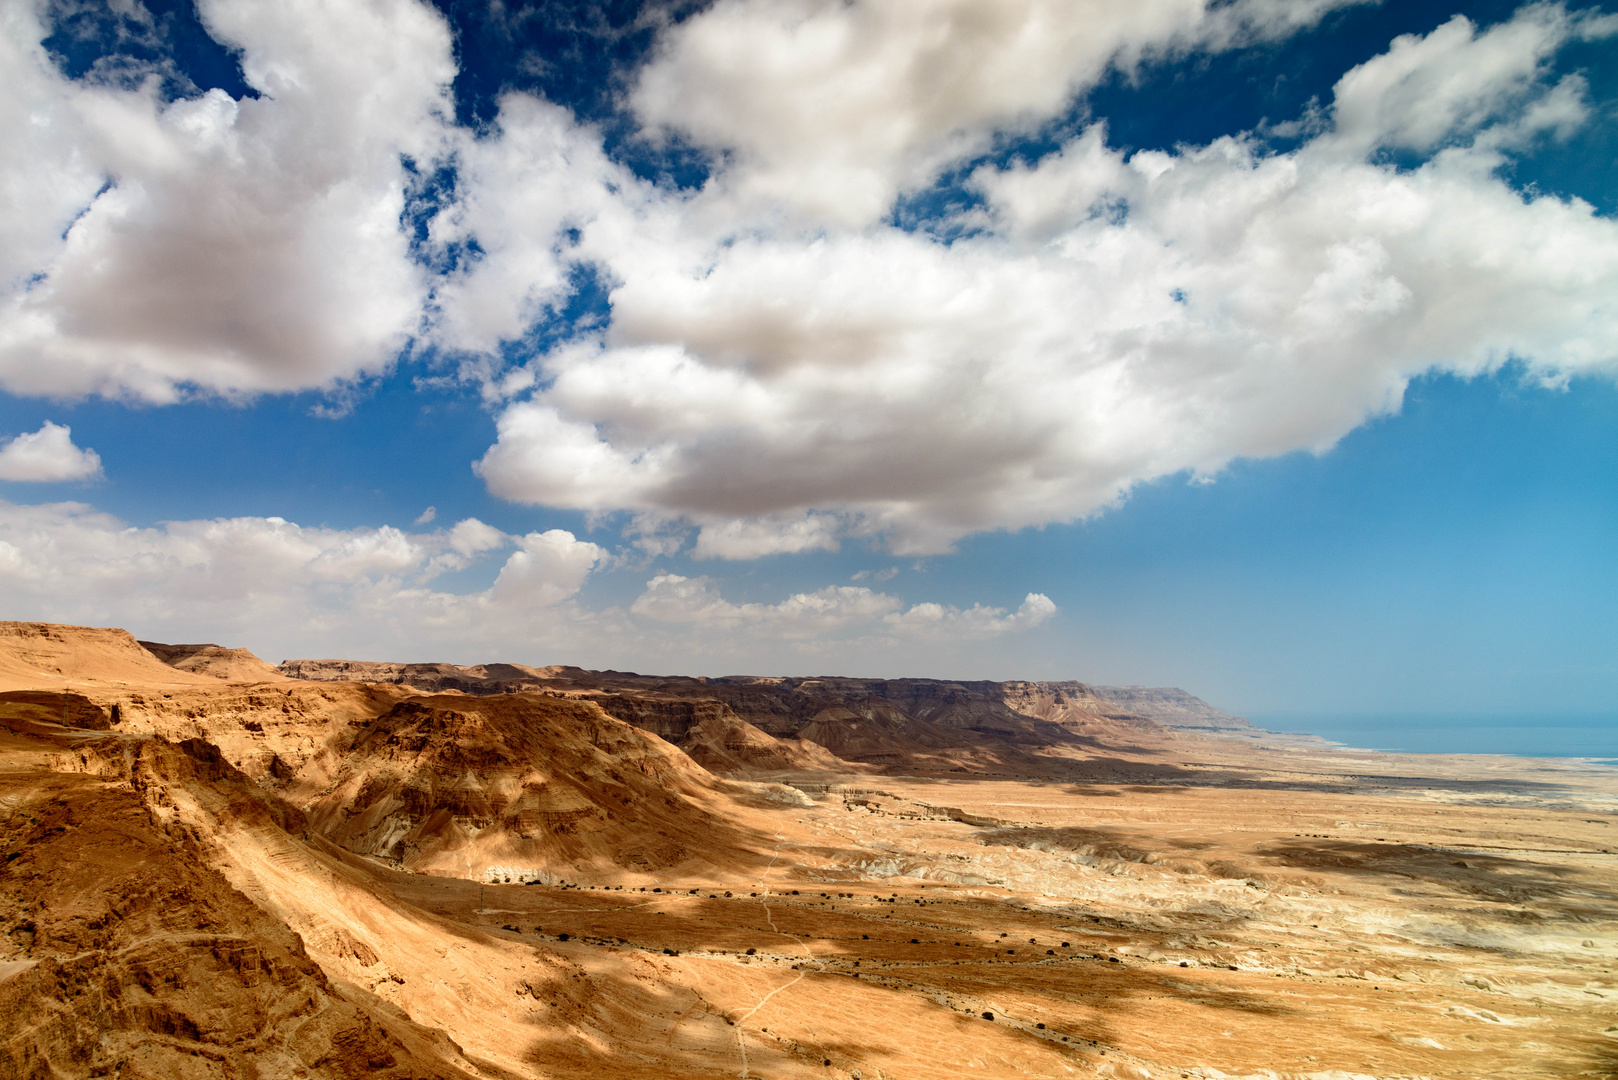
1591 737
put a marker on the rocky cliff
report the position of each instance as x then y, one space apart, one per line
1174 708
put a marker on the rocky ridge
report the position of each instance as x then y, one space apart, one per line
39 655
232 665
884 723
1174 708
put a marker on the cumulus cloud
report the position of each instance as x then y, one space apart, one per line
539 196
149 249
1428 90
828 109
829 612
977 621
47 456
254 577
780 369
743 538
546 569
372 593
1104 318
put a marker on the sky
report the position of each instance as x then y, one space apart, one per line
1265 348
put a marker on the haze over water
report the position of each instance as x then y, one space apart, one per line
1525 734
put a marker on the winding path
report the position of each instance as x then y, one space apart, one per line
764 901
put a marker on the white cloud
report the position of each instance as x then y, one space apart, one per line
826 112
370 593
751 538
1428 90
350 591
535 179
229 246
471 536
780 371
977 621
547 568
671 598
47 455
837 610
828 109
1112 319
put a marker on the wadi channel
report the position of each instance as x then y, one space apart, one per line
212 867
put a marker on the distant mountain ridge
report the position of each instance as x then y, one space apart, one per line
1174 708
878 722
733 725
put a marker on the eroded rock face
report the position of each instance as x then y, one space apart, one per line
61 707
1174 708
126 955
443 782
426 678
888 723
232 665
291 734
38 656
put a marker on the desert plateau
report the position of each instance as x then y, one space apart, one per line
212 867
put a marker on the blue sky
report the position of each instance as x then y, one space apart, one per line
1254 349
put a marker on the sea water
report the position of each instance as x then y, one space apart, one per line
1590 735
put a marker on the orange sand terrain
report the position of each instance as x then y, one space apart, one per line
214 868
44 655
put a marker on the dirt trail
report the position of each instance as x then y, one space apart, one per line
808 954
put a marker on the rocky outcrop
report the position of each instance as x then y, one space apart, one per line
439 783
37 656
1174 708
63 709
126 955
427 678
232 665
